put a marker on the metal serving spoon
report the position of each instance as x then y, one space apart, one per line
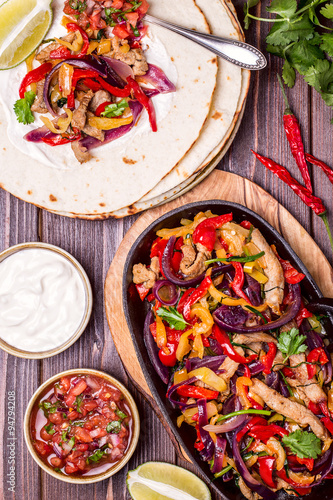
234 51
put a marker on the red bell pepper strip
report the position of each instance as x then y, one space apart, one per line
197 294
198 445
183 299
142 291
167 354
253 422
283 475
176 260
238 282
246 224
316 355
328 424
264 433
85 46
59 139
268 358
34 76
191 391
315 408
116 91
266 467
288 372
303 313
247 371
158 247
228 349
91 84
308 462
254 403
144 100
205 234
61 53
291 275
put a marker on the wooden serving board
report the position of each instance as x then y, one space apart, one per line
219 185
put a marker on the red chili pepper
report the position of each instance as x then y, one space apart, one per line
303 313
293 133
195 296
316 355
288 372
266 467
253 422
328 424
167 354
205 234
314 408
308 462
268 358
142 291
306 196
85 46
144 100
264 433
325 168
228 349
61 53
59 139
191 391
238 282
246 224
34 76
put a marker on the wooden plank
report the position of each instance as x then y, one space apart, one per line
19 377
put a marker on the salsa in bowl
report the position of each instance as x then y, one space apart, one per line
81 426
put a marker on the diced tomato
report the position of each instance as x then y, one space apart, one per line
142 291
90 405
56 462
71 468
55 418
120 31
79 388
117 4
82 434
65 383
98 433
142 9
82 447
42 448
132 18
72 415
44 434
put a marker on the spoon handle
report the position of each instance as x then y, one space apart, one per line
234 51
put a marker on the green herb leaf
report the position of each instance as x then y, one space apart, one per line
121 414
327 11
285 8
96 456
100 35
114 427
115 109
78 402
173 317
327 43
48 407
78 424
22 108
291 342
303 444
77 5
237 258
288 74
49 429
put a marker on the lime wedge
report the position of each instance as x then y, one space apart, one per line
162 481
23 25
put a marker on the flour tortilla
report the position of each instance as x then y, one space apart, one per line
120 174
222 19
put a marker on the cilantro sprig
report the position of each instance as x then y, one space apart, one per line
298 36
291 342
303 444
22 108
175 319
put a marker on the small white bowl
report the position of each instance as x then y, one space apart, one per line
88 302
113 469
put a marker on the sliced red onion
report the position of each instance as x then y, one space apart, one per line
156 77
256 367
314 340
284 389
320 462
115 439
89 62
57 450
215 346
174 389
228 476
220 447
253 290
252 483
232 424
273 380
212 362
287 316
231 404
172 292
152 349
67 447
38 134
115 133
234 316
208 451
120 69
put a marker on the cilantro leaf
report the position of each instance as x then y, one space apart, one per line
285 8
22 108
115 109
303 444
288 74
327 43
283 33
121 414
78 402
303 55
247 6
114 427
327 11
49 429
291 342
173 317
95 457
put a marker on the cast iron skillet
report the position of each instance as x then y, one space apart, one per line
135 316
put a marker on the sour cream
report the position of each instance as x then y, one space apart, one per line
42 299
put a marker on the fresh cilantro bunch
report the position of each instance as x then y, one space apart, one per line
291 342
303 444
300 38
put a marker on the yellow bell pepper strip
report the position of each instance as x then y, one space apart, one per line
103 123
63 122
29 66
198 345
210 378
104 46
196 296
241 384
161 337
207 320
184 346
277 449
75 46
66 72
92 46
231 301
223 339
252 249
181 231
180 376
258 276
205 232
85 45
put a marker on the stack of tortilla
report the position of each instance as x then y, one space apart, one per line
147 168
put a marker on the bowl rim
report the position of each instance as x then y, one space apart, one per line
142 235
21 353
103 475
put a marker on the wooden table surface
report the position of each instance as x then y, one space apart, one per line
94 245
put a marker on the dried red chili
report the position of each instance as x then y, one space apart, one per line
325 168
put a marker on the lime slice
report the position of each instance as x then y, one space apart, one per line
23 25
162 481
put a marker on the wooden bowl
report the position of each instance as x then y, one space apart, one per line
113 469
88 302
135 315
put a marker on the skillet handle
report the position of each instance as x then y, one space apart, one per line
323 305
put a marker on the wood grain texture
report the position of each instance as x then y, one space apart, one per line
95 244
